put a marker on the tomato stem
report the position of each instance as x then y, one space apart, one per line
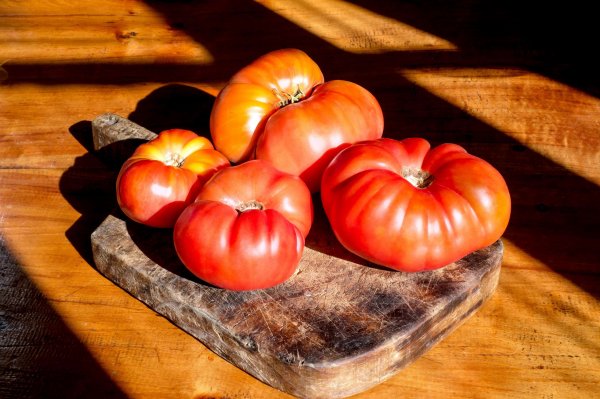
248 205
286 98
417 177
174 159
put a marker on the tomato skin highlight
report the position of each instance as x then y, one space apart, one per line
462 204
164 175
280 109
246 228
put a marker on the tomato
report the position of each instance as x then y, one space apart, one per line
279 109
246 228
164 175
403 205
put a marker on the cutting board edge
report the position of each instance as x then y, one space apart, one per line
231 348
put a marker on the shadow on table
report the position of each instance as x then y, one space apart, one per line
39 355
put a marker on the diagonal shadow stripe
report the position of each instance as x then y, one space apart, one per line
39 355
554 39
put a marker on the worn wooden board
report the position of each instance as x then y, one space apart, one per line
338 327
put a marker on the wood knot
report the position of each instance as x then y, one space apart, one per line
125 35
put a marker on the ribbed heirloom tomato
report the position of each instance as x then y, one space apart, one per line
164 175
246 228
404 206
278 108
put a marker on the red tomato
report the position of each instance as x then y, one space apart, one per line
404 206
163 176
278 109
246 228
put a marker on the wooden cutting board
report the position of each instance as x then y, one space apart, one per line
338 327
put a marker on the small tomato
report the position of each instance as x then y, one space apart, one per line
164 175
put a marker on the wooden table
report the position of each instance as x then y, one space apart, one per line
514 85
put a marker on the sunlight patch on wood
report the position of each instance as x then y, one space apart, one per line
143 36
509 101
531 289
355 29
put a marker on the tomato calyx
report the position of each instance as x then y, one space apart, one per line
249 205
286 98
174 159
419 178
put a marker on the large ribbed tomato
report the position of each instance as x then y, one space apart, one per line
279 109
246 228
164 175
404 206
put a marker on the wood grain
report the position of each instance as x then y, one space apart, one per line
521 90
